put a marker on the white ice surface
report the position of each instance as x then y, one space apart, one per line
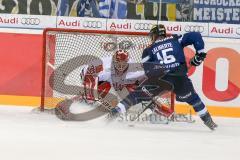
30 136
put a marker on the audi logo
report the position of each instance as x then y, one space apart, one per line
92 24
142 26
193 28
238 30
30 21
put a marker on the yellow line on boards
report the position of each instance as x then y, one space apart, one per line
226 111
20 100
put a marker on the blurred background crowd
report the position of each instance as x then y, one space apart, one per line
167 10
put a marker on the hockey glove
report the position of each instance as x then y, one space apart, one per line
198 59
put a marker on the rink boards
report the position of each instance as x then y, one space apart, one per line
217 80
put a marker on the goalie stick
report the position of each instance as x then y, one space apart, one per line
102 106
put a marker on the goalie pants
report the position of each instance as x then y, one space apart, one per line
181 85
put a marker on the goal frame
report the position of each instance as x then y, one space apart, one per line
44 53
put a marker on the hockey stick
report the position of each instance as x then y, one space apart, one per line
138 114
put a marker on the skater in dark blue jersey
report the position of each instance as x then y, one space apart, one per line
165 66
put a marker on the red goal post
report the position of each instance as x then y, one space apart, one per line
65 50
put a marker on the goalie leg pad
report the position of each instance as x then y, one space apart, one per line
62 110
90 87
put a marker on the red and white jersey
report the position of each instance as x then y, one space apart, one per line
106 72
119 80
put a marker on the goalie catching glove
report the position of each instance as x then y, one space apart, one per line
198 59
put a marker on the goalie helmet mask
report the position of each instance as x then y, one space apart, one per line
120 60
157 31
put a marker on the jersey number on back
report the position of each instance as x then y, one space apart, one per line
166 57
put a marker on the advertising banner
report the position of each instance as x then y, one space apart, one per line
183 27
40 22
130 25
217 80
145 26
82 23
218 11
224 30
27 21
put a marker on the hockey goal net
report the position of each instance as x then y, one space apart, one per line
66 51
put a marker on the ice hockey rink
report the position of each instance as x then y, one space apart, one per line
26 135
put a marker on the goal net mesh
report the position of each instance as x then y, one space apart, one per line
66 52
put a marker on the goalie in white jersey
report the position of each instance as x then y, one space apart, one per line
110 72
118 72
98 78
